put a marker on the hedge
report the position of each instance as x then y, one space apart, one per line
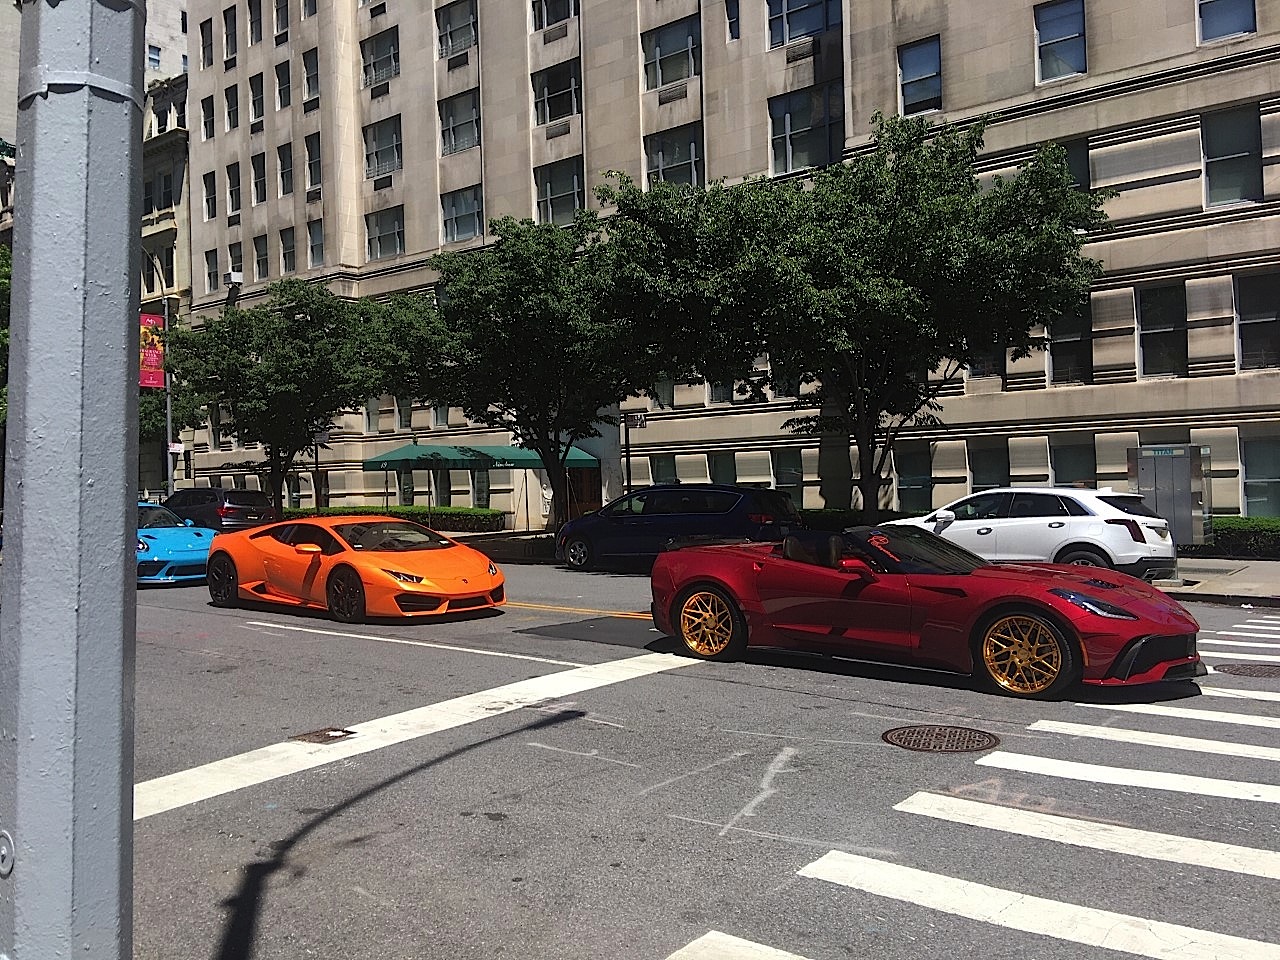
1243 538
450 519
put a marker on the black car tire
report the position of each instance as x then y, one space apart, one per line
223 581
578 554
345 594
709 623
1024 653
1083 557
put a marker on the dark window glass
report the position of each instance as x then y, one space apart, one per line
1162 324
1037 505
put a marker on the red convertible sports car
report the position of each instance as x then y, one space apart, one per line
901 594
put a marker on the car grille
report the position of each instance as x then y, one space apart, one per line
1147 652
149 568
187 570
497 595
466 603
418 602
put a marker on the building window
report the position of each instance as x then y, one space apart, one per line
722 467
546 13
734 21
1060 47
788 474
233 188
1078 162
308 8
260 257
153 57
463 214
258 168
255 21
1258 310
456 24
675 155
792 19
210 195
232 96
284 160
1232 144
560 190
284 94
1226 18
257 102
672 53
1162 327
440 416
184 63
211 278
288 256
380 57
1073 464
386 233
229 32
720 392
460 122
311 73
404 413
282 16
182 20
206 43
808 127
1260 459
164 191
480 488
206 118
988 464
315 243
148 196
382 151
312 145
556 92
160 119
920 75
991 363
1071 348
913 464
662 467
235 256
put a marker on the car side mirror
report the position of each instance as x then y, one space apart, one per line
309 548
943 516
857 568
189 522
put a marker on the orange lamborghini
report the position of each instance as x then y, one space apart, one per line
354 567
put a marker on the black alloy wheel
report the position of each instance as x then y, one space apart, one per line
345 594
223 581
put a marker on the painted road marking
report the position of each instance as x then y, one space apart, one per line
291 756
1254 634
1252 657
1097 836
1238 643
1126 777
1210 716
1169 741
1261 624
1038 915
624 614
721 946
1240 694
411 643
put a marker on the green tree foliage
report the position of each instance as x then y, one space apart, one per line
531 347
876 273
284 370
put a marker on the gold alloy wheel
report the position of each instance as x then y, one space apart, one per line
706 623
1022 654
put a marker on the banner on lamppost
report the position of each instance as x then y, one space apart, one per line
151 359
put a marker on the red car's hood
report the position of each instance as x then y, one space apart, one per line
1118 588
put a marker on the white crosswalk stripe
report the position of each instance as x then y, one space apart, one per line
1252 657
1241 643
1016 911
1183 713
1209 636
721 946
1210 691
1166 740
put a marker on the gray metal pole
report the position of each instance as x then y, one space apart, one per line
67 617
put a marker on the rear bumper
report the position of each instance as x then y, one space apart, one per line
1151 568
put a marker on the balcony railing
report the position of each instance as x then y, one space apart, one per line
382 69
380 164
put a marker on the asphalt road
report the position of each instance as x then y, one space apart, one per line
546 782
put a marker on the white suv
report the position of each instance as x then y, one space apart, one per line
1100 528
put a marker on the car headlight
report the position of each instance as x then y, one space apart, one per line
493 569
1093 605
403 577
142 546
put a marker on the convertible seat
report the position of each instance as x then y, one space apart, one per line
826 552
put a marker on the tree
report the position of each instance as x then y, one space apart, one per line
895 265
531 347
284 370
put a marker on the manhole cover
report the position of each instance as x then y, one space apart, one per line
1249 669
929 738
327 735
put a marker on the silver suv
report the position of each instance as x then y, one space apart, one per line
1100 528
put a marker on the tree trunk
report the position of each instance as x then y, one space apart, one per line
835 465
277 467
868 478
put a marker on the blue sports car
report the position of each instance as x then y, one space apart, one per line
170 549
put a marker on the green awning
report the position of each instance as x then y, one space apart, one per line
418 456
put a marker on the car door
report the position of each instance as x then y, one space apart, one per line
837 612
276 551
639 525
976 526
303 575
1036 527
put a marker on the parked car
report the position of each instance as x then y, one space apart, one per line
1091 528
353 567
170 549
222 508
641 524
899 594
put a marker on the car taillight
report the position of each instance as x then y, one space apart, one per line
226 511
1135 530
761 517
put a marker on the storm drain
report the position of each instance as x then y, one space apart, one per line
326 735
930 738
1249 669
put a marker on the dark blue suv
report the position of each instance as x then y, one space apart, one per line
641 524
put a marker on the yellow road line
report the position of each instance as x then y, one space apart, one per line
625 615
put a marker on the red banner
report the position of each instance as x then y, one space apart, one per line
151 361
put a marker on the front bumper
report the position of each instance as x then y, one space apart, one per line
182 569
1152 659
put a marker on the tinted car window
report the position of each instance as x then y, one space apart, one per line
903 549
310 533
248 498
1037 505
394 536
626 506
986 506
778 504
150 518
1134 506
658 502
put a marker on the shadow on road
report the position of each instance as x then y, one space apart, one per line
315 613
241 927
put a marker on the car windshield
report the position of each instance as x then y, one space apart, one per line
248 498
904 549
150 518
1134 506
390 536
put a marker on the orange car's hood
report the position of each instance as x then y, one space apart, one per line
447 563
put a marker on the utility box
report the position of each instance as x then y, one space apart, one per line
1174 482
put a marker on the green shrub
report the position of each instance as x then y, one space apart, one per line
1245 538
447 519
